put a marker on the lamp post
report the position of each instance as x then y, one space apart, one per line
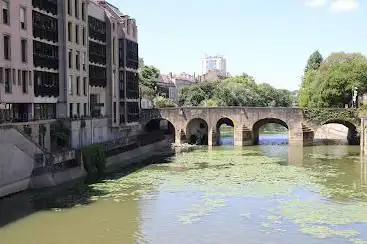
355 94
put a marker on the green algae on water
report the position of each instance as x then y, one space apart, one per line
224 174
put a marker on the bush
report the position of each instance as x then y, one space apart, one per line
94 159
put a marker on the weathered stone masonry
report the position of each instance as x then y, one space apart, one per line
245 120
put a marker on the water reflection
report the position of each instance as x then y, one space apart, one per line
217 195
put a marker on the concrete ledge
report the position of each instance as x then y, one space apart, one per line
127 158
14 187
54 179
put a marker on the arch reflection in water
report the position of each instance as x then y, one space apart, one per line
224 132
296 155
270 131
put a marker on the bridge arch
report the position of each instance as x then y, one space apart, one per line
160 125
347 132
197 130
229 130
260 123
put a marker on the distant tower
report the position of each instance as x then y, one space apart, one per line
210 63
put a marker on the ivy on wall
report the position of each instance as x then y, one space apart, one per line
94 159
322 115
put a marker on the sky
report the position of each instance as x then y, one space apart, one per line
268 39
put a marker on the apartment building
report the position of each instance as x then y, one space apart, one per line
68 58
122 65
210 63
16 61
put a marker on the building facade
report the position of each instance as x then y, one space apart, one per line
211 63
68 59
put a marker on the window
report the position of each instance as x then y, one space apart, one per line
24 50
85 88
1 75
85 109
76 9
114 112
113 26
70 26
77 34
22 18
24 81
114 50
83 11
70 59
7 81
30 78
84 61
7 47
19 77
113 83
70 84
78 109
77 60
69 7
78 85
6 19
14 74
70 110
84 34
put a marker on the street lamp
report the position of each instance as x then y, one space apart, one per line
355 94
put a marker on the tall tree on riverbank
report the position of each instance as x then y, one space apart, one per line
148 79
314 61
332 84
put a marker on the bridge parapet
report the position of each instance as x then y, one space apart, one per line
301 123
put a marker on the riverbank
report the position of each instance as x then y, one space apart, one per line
52 178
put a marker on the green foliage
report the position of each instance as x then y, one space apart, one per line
61 134
322 115
234 91
314 61
162 102
149 76
94 159
333 83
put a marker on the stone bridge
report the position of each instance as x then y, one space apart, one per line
246 121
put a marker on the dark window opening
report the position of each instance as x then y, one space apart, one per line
46 84
97 29
49 6
132 112
132 85
45 27
97 53
45 55
97 76
7 47
24 50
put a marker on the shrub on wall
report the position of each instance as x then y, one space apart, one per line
94 159
61 134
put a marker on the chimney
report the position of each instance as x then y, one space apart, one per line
170 74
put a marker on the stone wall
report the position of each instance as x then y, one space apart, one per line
246 122
97 131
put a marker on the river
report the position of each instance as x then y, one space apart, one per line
261 194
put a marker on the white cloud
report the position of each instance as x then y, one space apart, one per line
338 6
316 3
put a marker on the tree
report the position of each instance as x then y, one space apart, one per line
333 83
148 79
234 91
314 61
162 102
